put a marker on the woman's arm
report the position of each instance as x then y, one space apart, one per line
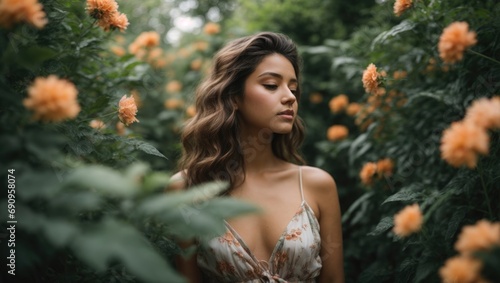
188 267
325 195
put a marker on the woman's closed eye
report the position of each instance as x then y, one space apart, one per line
270 86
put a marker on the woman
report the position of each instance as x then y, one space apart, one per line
246 131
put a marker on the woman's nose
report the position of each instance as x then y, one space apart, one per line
288 97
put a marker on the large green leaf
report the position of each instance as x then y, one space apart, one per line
101 179
112 240
385 224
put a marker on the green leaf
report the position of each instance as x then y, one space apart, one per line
385 224
75 202
409 194
41 184
110 240
355 207
358 147
158 204
33 56
145 147
59 232
101 179
405 25
455 221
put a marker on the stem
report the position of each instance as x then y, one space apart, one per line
482 55
438 202
480 172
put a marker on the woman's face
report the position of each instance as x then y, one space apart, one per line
269 101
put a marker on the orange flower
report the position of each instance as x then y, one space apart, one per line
385 167
485 113
118 50
173 86
15 11
200 45
120 128
191 111
154 54
454 40
462 142
401 5
211 28
409 220
315 98
196 64
398 75
173 103
480 236
353 109
127 109
370 78
97 124
101 9
52 99
337 132
338 103
117 21
460 269
367 173
149 39
120 39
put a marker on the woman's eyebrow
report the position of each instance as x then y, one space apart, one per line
276 75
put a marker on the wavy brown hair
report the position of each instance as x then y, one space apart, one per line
212 149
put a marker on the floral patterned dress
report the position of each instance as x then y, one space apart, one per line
295 257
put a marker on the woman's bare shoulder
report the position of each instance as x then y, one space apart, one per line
177 182
318 180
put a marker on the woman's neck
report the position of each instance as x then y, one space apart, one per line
257 151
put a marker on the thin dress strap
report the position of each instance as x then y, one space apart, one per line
300 184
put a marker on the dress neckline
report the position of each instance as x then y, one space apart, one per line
302 209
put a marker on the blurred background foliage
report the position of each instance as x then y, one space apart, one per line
90 200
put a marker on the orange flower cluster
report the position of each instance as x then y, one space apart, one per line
173 103
379 169
211 28
454 40
464 140
338 103
353 109
401 5
399 75
385 167
368 172
16 11
173 86
120 128
485 113
337 132
118 50
127 109
196 64
371 78
145 47
107 15
52 99
315 98
97 124
484 235
408 221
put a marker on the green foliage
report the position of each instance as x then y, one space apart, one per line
90 201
